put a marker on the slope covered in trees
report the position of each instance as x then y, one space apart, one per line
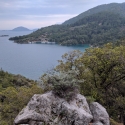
15 92
96 29
118 8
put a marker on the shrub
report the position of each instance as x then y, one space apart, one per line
113 122
64 85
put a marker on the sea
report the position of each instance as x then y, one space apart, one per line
30 60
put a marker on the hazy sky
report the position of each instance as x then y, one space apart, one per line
39 13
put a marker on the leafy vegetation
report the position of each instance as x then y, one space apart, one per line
65 85
100 73
112 122
103 71
15 92
98 26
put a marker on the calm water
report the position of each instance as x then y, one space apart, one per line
30 60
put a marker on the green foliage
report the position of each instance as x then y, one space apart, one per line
90 99
103 71
106 68
15 92
64 84
7 80
69 61
112 122
13 100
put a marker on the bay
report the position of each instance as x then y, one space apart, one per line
30 60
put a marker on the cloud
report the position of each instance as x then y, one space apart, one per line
31 22
43 12
49 16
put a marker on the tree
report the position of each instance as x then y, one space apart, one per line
103 71
12 100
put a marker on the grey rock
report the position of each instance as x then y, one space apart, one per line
52 110
100 115
97 123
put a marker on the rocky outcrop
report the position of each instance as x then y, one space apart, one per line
48 109
100 115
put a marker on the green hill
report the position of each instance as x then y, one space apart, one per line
95 29
118 8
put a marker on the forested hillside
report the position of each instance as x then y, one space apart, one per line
15 92
96 29
113 7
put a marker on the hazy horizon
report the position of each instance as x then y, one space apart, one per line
40 13
18 27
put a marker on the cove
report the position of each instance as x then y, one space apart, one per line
30 60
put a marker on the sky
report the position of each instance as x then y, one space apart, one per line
40 13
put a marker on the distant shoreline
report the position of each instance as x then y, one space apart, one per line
4 35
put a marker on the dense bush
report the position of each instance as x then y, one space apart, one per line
15 92
65 85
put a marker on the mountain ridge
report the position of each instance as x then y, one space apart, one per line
104 7
95 29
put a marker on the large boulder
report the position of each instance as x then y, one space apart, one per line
51 110
100 115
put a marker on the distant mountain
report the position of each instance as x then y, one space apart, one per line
20 29
118 8
97 28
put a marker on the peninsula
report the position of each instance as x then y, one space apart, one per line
97 26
